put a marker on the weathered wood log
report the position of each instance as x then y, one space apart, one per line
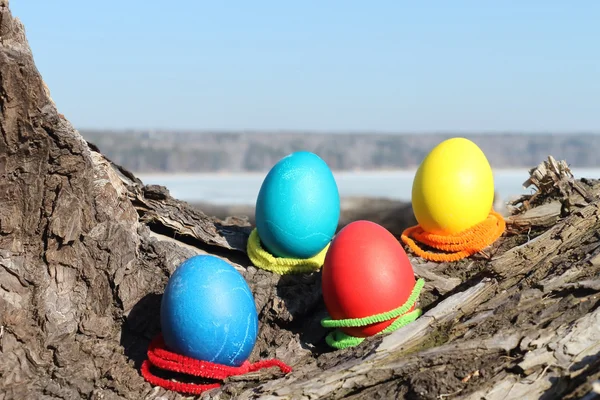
86 250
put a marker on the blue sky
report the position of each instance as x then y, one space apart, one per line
388 66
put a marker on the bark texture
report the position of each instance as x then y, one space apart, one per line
86 250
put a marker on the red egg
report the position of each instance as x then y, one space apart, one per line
366 272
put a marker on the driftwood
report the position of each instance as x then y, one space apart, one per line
86 250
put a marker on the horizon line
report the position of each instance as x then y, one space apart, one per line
340 132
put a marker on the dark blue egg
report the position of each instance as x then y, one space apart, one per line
298 206
208 312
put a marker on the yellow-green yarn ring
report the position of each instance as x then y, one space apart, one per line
386 316
340 340
265 260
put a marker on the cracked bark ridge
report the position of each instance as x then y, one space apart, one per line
86 250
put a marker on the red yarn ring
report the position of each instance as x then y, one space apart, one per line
160 357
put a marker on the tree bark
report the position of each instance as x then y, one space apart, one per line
86 250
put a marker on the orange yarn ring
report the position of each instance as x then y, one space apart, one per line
456 246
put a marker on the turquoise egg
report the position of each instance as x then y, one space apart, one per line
298 206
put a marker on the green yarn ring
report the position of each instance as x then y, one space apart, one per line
386 316
340 340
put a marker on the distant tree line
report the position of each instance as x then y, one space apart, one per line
165 151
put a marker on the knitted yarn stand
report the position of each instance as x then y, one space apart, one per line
341 340
160 357
261 258
457 246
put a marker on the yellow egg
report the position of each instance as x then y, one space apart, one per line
453 188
